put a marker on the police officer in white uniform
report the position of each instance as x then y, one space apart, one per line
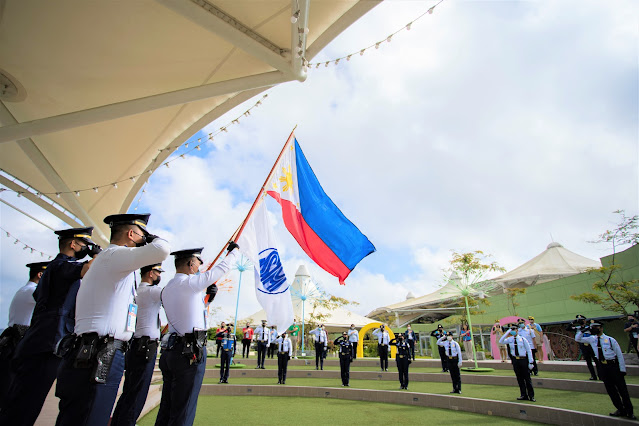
35 362
319 334
263 338
183 361
383 340
105 317
272 348
20 312
522 359
530 335
353 337
453 355
611 367
284 353
140 359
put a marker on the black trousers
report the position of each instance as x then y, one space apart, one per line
633 342
455 375
272 348
261 353
411 345
616 387
225 364
34 375
354 349
218 343
589 356
246 347
523 377
282 366
534 354
383 356
345 368
402 368
443 357
319 355
137 380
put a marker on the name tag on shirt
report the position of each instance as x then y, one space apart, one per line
206 319
132 317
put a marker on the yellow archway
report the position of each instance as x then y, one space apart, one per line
362 333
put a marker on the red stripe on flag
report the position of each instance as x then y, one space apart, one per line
310 242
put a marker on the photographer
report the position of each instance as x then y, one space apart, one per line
579 324
228 347
632 328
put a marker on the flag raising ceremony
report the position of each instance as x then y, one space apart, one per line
317 224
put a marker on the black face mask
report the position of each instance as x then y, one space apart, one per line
157 281
141 243
595 330
82 253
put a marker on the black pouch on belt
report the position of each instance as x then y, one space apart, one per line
64 345
146 347
87 348
104 359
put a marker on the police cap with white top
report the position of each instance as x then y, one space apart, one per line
141 220
37 266
83 234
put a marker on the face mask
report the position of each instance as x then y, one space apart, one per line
156 281
141 243
521 325
449 338
595 330
513 332
587 333
82 253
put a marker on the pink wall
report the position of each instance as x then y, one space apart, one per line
494 348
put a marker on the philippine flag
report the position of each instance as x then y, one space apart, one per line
319 227
257 242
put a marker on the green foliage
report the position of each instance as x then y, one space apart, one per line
511 299
612 291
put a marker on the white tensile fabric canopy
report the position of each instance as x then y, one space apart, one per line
96 91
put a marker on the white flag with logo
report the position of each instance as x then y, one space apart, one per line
257 242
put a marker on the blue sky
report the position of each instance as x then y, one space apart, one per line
488 126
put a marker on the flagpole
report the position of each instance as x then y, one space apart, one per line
259 195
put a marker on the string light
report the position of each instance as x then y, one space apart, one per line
295 17
387 39
133 179
26 246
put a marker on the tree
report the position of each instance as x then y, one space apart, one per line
511 299
613 292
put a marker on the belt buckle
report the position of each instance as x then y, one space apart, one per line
604 362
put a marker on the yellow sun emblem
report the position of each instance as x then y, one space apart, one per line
286 179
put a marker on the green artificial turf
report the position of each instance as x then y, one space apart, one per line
579 401
271 410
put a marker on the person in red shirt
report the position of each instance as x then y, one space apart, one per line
247 337
218 340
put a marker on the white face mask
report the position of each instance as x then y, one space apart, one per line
449 337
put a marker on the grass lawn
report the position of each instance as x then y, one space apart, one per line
580 401
271 410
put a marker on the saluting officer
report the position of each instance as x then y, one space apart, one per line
522 360
284 353
35 363
586 350
272 348
228 345
20 312
263 336
611 367
453 359
321 341
530 335
183 362
345 353
105 317
402 359
437 334
140 358
411 339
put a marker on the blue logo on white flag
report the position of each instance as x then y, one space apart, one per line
272 277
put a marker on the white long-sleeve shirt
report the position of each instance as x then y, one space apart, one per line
284 345
108 288
383 338
519 346
353 336
528 334
609 346
149 304
22 305
319 335
451 348
183 297
263 334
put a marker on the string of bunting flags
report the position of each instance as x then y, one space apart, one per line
26 246
388 39
196 146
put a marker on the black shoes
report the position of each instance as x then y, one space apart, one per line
459 392
522 398
532 399
592 378
631 416
618 414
